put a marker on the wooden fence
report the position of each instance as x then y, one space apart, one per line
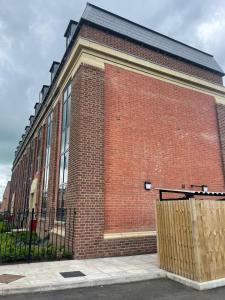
191 238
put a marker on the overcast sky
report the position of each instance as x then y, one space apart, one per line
31 37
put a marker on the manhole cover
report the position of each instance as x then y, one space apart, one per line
8 278
72 274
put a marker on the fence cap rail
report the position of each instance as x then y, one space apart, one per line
188 193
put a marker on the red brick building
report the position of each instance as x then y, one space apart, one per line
5 198
125 106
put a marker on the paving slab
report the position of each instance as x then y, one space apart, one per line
45 276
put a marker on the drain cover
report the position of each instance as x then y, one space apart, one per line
8 278
72 274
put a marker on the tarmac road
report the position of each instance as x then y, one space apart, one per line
149 290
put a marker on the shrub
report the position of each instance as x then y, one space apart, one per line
3 227
1 217
14 246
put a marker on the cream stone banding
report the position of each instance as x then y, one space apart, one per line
220 100
110 236
93 54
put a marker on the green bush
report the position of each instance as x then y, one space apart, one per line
3 227
15 247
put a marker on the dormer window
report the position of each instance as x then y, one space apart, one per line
53 69
36 107
43 92
70 31
31 119
27 129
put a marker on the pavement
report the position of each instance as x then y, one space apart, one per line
160 289
46 276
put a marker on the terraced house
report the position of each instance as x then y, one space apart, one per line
127 107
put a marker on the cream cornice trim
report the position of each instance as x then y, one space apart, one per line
109 55
122 235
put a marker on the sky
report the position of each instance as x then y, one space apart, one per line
32 36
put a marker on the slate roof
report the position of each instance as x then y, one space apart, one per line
126 28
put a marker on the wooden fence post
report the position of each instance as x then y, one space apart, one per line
195 237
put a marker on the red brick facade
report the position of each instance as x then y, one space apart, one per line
5 199
86 171
116 145
125 128
154 131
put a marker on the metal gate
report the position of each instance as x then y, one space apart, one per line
30 236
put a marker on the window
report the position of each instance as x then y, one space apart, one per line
29 174
68 40
69 37
46 163
64 154
38 162
70 32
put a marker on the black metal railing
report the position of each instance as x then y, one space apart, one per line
30 235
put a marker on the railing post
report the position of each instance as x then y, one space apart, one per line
31 233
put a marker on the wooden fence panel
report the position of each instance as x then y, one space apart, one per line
191 238
175 237
211 224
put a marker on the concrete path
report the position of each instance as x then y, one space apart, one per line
45 276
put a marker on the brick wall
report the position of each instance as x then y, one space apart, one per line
20 179
20 171
121 44
221 124
19 188
5 198
85 190
154 131
127 128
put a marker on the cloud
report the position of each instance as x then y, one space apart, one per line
209 31
6 43
210 34
31 37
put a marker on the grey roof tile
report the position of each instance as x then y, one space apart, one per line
149 37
